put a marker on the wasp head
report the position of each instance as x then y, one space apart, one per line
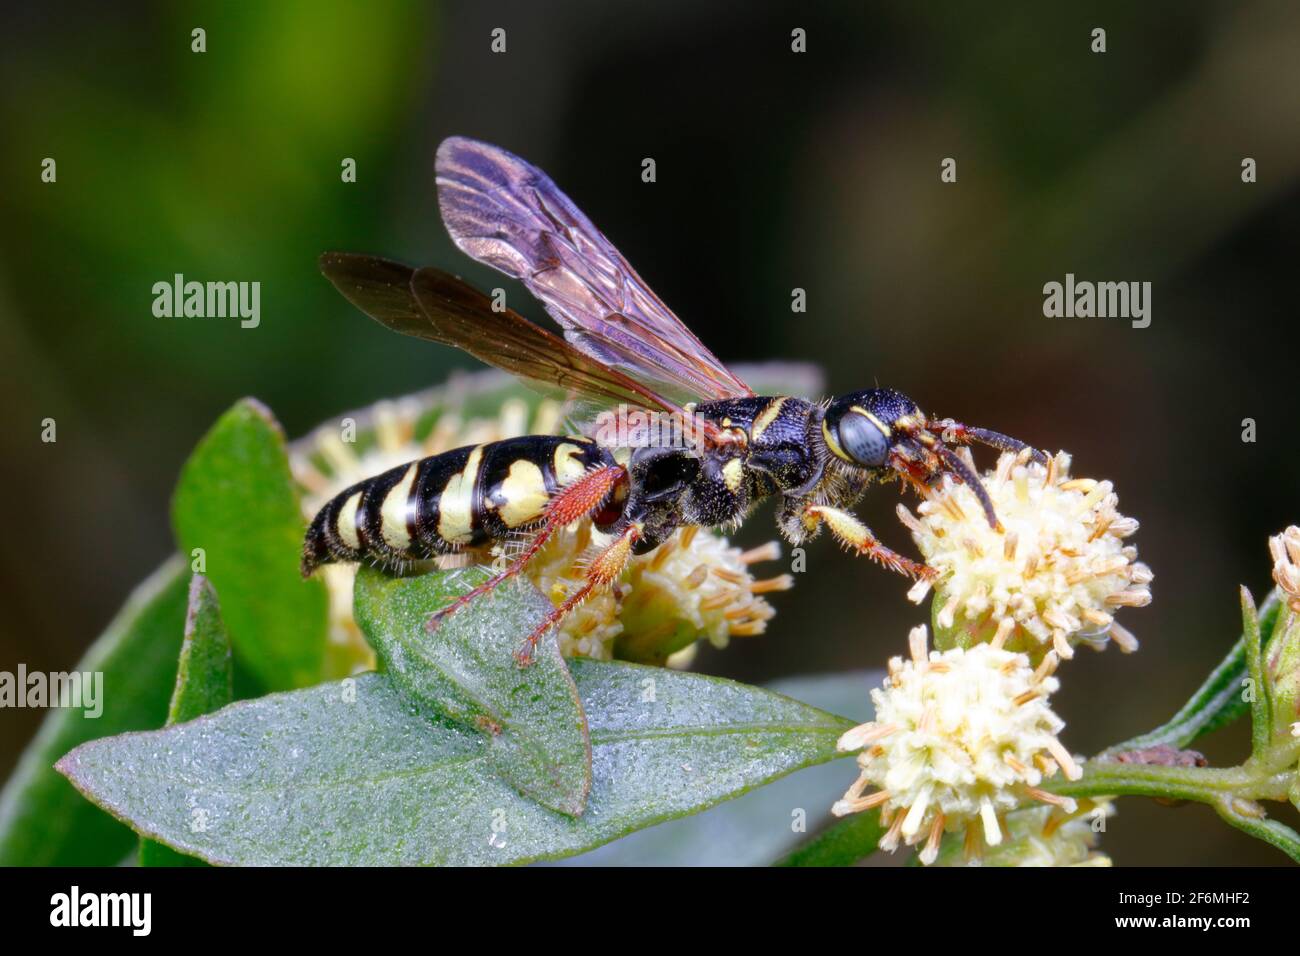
880 428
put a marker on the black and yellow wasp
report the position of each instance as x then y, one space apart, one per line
621 347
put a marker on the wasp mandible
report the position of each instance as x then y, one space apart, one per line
621 347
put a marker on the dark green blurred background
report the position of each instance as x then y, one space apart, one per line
775 171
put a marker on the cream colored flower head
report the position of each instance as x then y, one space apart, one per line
694 586
1285 550
1052 576
1041 836
960 738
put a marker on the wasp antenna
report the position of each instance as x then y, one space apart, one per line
971 480
985 436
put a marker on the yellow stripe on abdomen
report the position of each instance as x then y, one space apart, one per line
346 525
568 463
523 493
456 503
395 511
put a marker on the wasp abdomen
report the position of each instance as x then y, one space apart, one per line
460 499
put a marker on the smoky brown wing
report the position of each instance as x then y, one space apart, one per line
510 215
435 305
378 287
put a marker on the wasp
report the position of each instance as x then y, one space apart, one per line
621 347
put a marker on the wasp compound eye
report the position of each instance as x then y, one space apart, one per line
863 439
857 436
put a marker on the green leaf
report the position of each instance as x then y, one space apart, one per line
346 773
237 501
204 683
466 672
761 826
1261 710
842 844
45 822
1217 703
1273 832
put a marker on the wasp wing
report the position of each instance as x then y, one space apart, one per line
435 305
510 215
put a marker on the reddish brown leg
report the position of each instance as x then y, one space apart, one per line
603 571
952 463
577 501
854 534
911 472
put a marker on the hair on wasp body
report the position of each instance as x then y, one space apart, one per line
620 346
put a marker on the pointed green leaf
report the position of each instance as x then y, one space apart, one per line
843 843
1261 710
764 824
1216 703
204 675
466 672
236 501
204 683
44 821
346 773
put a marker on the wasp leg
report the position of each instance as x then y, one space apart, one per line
854 534
957 434
604 569
910 472
577 501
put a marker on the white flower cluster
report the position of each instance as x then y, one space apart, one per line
964 737
694 586
1042 836
1053 575
960 738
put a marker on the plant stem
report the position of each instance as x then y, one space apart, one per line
1269 774
1204 784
